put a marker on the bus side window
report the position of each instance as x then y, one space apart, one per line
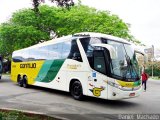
74 52
54 51
66 48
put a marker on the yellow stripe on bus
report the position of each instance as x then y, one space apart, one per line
31 69
125 84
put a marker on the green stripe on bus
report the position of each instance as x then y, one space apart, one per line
49 70
137 83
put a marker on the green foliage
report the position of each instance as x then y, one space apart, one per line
25 28
16 115
14 37
62 3
156 69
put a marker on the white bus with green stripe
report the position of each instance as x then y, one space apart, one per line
84 64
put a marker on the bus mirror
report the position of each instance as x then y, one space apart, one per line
112 51
110 48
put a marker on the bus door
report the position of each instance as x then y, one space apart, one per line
98 75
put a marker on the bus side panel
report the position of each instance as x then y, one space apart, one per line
52 75
30 69
70 69
76 71
49 70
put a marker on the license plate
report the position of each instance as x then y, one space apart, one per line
132 94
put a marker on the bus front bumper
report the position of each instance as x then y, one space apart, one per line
115 93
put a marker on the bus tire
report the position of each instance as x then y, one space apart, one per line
76 90
19 81
25 82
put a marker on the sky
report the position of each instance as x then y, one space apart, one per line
142 15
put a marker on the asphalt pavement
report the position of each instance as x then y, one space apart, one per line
61 104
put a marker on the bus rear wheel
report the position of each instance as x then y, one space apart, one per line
19 81
76 90
25 82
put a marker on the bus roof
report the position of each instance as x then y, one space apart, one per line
77 35
93 34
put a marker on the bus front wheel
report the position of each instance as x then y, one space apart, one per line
76 90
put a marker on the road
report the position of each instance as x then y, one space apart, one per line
57 103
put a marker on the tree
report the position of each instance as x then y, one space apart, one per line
25 28
13 37
66 3
156 68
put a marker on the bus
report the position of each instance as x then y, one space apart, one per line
84 64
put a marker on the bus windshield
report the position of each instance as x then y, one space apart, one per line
125 63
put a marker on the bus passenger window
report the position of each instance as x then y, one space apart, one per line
66 48
74 52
